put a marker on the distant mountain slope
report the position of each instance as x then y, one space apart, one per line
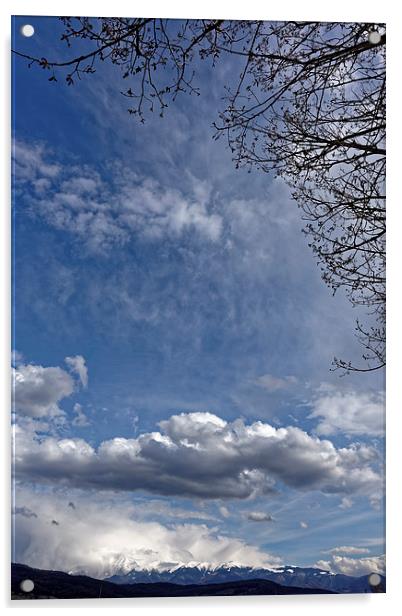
59 585
302 577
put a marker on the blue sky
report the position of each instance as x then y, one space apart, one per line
181 290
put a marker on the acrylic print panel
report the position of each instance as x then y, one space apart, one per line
198 386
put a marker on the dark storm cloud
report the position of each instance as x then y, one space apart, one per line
24 511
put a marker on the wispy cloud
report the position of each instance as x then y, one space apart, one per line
275 383
347 549
348 411
260 516
80 420
78 366
104 211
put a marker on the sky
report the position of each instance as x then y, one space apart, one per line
173 342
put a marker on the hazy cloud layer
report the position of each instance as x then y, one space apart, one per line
122 541
202 455
348 549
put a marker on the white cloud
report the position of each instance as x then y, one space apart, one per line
104 213
259 516
77 365
274 383
353 566
80 418
303 525
201 455
346 503
102 537
38 390
33 162
350 412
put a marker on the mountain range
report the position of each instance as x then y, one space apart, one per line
196 580
60 585
291 576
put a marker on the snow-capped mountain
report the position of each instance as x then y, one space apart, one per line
203 573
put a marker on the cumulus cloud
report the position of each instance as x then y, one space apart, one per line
105 213
77 365
202 455
37 390
350 412
102 537
353 566
274 383
259 516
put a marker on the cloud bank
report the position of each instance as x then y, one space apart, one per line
353 566
121 542
201 455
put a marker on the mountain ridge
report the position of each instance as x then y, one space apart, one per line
61 585
292 576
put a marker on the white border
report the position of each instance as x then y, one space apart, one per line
338 10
